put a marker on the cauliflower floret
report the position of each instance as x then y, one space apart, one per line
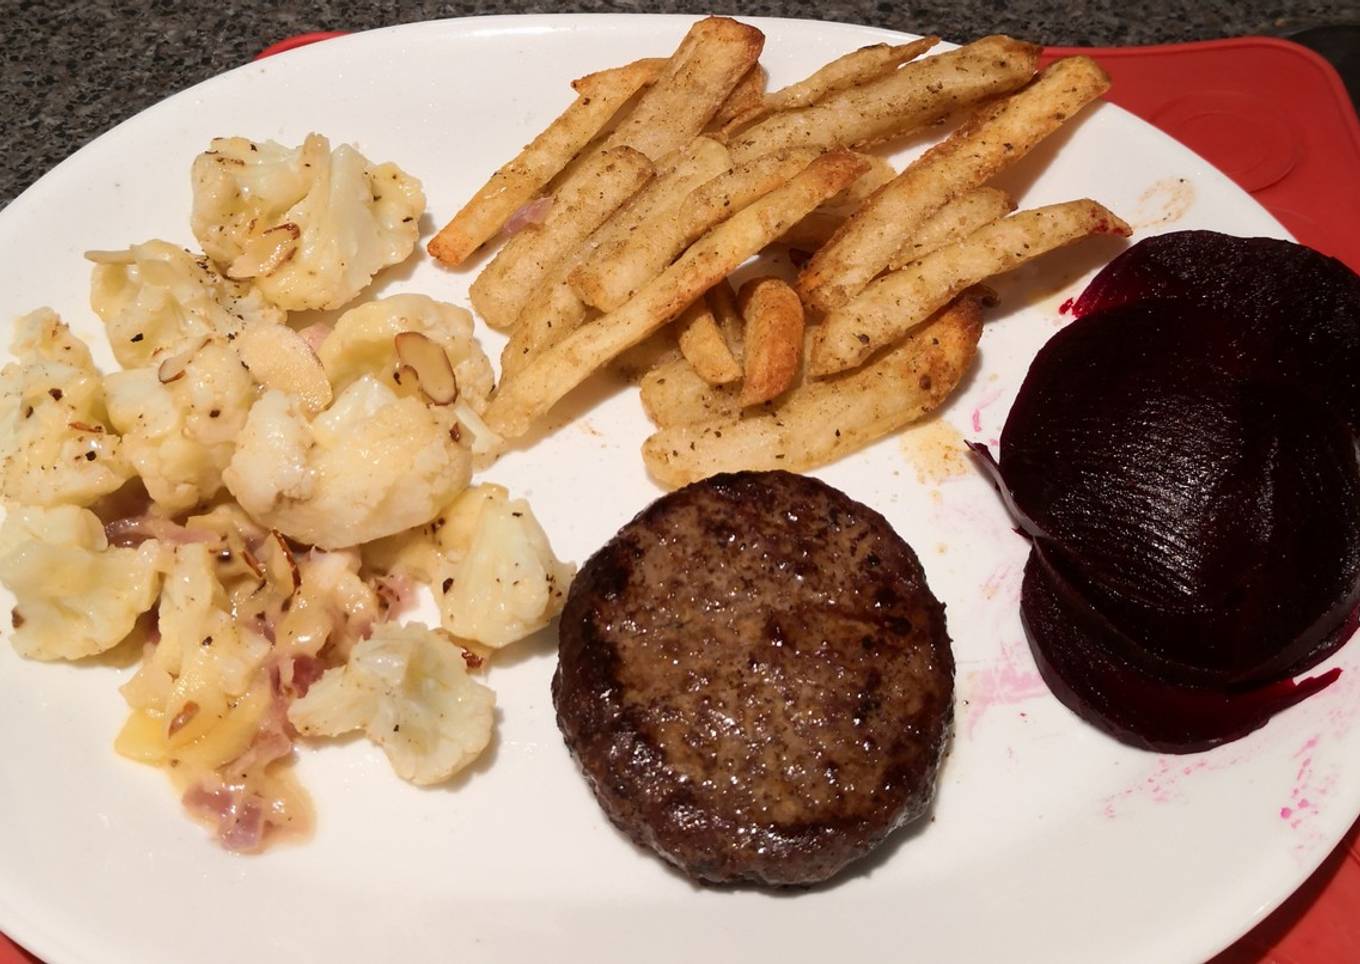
155 299
200 695
180 435
55 443
408 688
507 583
203 654
312 226
370 465
489 563
362 344
75 596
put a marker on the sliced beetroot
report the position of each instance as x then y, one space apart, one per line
1077 655
1293 310
1183 457
1212 515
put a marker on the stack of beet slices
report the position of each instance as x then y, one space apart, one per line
1183 457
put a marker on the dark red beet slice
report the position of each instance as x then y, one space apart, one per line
1184 459
1077 654
1211 515
1294 311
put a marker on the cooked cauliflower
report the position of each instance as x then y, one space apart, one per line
75 596
180 435
201 649
362 344
155 299
55 443
408 688
507 583
193 683
310 225
370 465
489 562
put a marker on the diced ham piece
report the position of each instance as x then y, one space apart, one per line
137 529
533 213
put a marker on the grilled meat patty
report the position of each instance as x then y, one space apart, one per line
755 679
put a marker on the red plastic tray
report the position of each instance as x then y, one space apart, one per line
1275 117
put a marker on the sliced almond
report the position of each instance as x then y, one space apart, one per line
110 257
430 364
172 368
283 568
265 253
252 563
278 357
182 718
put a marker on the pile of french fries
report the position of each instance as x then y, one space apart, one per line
628 214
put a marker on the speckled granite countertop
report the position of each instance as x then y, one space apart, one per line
71 71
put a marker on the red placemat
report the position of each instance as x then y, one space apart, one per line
1275 117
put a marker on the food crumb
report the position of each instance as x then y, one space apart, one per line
935 450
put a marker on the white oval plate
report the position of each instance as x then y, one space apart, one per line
1048 842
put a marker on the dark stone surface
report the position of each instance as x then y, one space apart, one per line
73 70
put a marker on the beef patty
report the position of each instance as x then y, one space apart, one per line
755 679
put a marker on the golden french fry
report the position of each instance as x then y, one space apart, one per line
998 136
715 54
814 230
599 97
703 345
745 97
897 302
954 222
531 392
613 276
773 340
821 421
554 311
506 284
722 301
673 393
857 67
880 172
920 93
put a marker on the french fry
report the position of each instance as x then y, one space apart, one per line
857 67
722 301
554 311
745 97
674 393
814 230
958 218
506 284
996 137
553 373
599 97
613 276
703 345
954 222
821 421
773 338
879 173
911 97
715 54
897 302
